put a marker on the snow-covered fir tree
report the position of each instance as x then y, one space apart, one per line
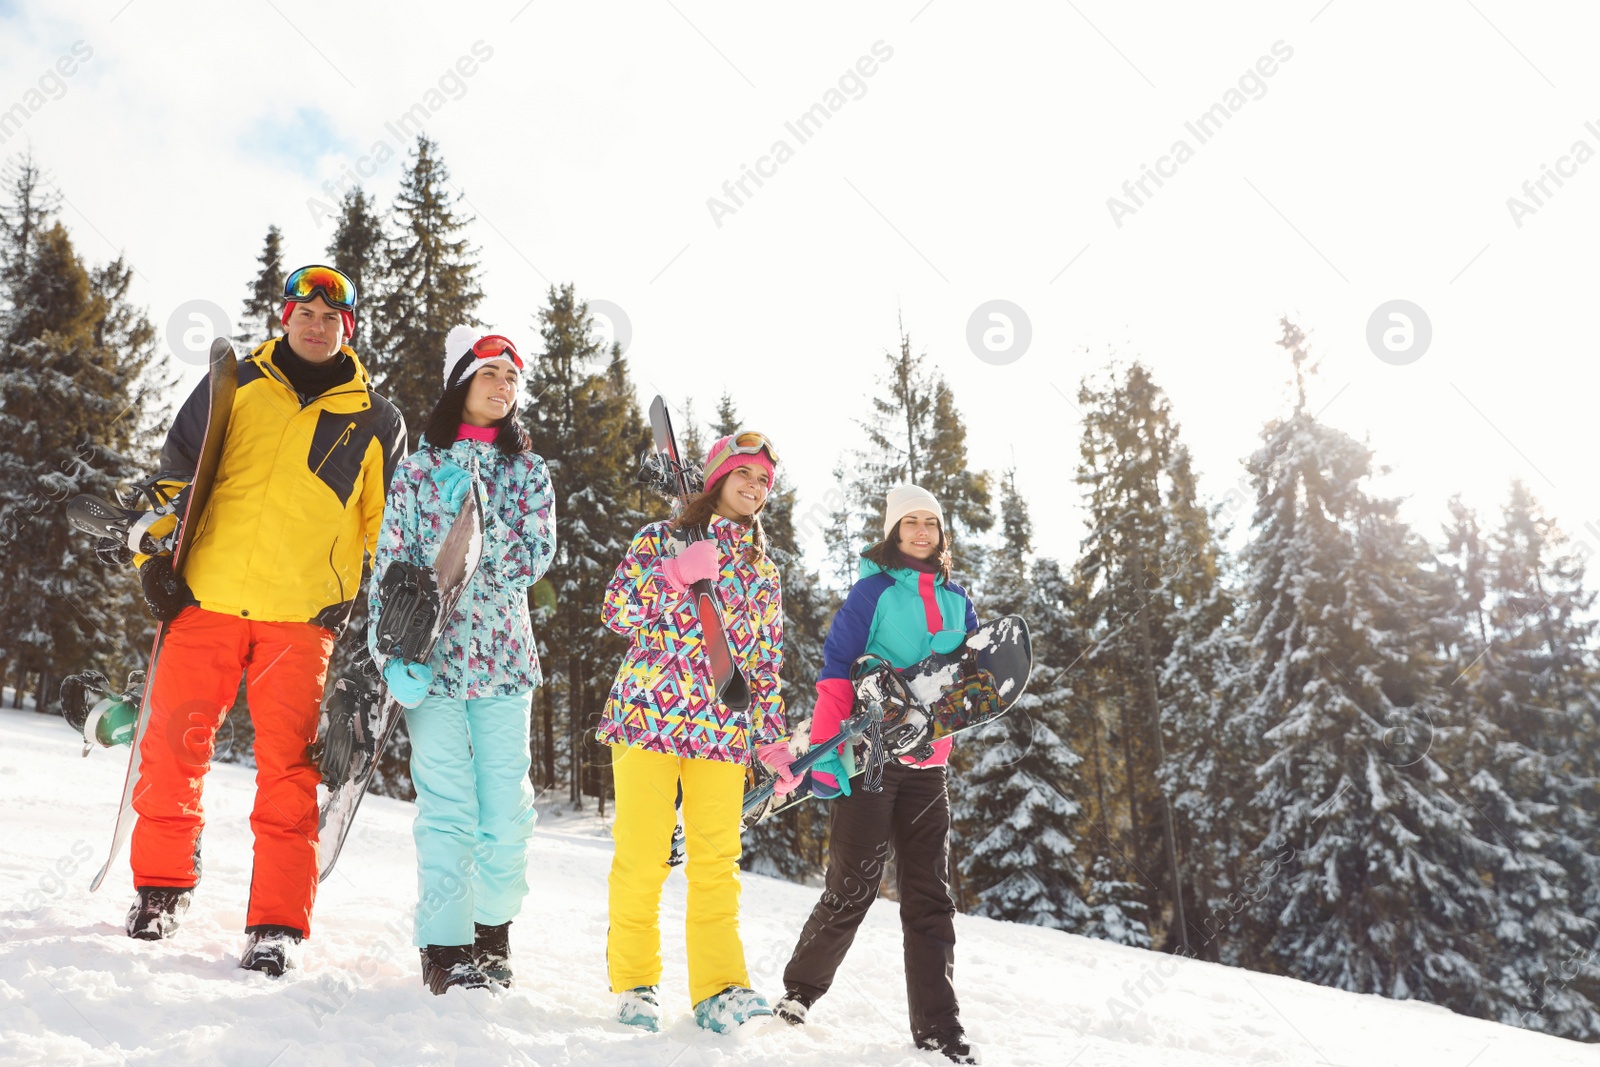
356 248
1524 760
794 845
431 283
1012 798
80 390
1381 876
587 426
1147 553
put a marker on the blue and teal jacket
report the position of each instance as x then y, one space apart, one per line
890 613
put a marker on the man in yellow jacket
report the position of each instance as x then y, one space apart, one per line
274 568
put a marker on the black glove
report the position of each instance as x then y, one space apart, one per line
78 693
165 594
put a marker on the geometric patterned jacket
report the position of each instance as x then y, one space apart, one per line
663 698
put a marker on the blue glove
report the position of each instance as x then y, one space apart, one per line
453 483
407 682
829 778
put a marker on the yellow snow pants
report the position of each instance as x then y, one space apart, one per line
647 790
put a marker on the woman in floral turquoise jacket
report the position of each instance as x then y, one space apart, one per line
468 706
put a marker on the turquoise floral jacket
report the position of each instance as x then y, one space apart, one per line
488 648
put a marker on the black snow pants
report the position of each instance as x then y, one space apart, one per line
912 814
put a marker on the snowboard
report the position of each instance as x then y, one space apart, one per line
942 695
358 714
669 473
224 380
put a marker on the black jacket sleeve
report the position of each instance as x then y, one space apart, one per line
180 453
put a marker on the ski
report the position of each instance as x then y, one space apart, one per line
358 714
224 379
668 471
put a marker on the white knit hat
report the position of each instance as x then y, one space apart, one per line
457 344
902 501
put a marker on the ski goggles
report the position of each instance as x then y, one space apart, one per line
333 286
743 443
485 350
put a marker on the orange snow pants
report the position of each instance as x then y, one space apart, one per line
196 679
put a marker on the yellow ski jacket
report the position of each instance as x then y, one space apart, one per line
298 496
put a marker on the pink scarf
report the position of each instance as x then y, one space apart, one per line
486 434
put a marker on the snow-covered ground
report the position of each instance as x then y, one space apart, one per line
74 990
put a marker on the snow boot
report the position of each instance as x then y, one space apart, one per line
158 912
952 1045
641 1007
491 952
730 1009
271 949
450 967
792 1007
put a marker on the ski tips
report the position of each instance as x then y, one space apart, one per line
221 349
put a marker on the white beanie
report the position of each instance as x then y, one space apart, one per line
458 343
902 501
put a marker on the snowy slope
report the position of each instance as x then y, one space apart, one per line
74 990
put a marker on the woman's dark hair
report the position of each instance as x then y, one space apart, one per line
700 508
887 554
444 423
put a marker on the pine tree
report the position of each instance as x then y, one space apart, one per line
585 422
29 211
1524 760
1147 553
962 492
264 299
795 845
1209 767
1117 910
1012 802
1380 882
78 386
430 283
357 249
914 434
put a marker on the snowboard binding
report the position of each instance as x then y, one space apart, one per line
121 528
346 723
410 609
662 475
905 722
111 718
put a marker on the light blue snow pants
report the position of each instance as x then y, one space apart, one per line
469 762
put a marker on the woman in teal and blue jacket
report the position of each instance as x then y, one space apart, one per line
468 706
902 602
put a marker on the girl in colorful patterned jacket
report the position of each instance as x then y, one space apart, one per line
902 607
468 706
669 731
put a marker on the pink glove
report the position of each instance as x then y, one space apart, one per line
835 696
777 756
697 561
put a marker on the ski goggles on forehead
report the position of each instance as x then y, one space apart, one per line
483 350
307 282
495 345
744 443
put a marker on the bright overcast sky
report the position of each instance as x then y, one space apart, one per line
969 155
